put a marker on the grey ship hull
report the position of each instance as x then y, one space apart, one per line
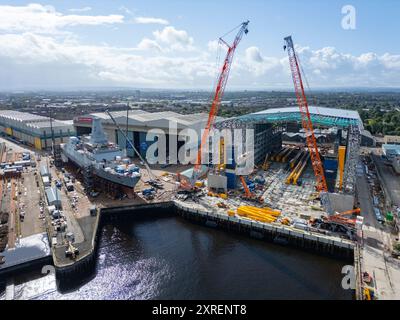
118 179
98 170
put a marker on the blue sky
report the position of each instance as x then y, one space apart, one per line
169 44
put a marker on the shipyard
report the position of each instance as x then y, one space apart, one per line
277 201
286 172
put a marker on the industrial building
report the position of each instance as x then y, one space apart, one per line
138 123
391 150
388 139
396 164
34 130
53 197
343 129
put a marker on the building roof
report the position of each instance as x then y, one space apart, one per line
47 125
30 121
350 114
21 116
143 118
391 139
320 115
53 194
392 148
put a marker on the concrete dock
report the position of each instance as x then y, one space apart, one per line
31 239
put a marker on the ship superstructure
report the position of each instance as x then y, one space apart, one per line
105 159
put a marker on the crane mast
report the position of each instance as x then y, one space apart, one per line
219 91
305 116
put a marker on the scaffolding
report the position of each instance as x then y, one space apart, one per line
87 173
109 188
268 143
267 137
57 156
352 159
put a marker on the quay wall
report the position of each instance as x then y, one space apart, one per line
338 248
84 266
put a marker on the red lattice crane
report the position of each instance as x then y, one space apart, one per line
219 92
305 117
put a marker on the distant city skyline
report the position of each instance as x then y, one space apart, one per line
55 45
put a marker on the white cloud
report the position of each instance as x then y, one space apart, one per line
57 60
36 50
126 10
150 20
325 67
168 40
391 61
174 39
30 58
213 45
257 64
148 44
38 18
253 54
84 9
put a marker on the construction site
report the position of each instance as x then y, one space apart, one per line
304 185
304 190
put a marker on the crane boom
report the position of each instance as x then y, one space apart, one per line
219 91
305 116
245 187
151 174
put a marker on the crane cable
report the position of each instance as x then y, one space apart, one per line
144 161
237 27
310 92
216 72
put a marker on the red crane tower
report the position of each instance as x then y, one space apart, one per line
305 116
219 92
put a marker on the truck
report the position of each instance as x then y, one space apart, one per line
69 186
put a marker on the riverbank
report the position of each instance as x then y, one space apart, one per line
85 266
166 256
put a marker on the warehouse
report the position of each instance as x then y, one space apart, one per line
139 123
34 130
53 197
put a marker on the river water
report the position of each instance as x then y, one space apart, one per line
170 258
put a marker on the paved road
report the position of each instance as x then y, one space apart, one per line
72 224
376 259
390 180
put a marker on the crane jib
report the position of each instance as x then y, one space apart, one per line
305 116
219 91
